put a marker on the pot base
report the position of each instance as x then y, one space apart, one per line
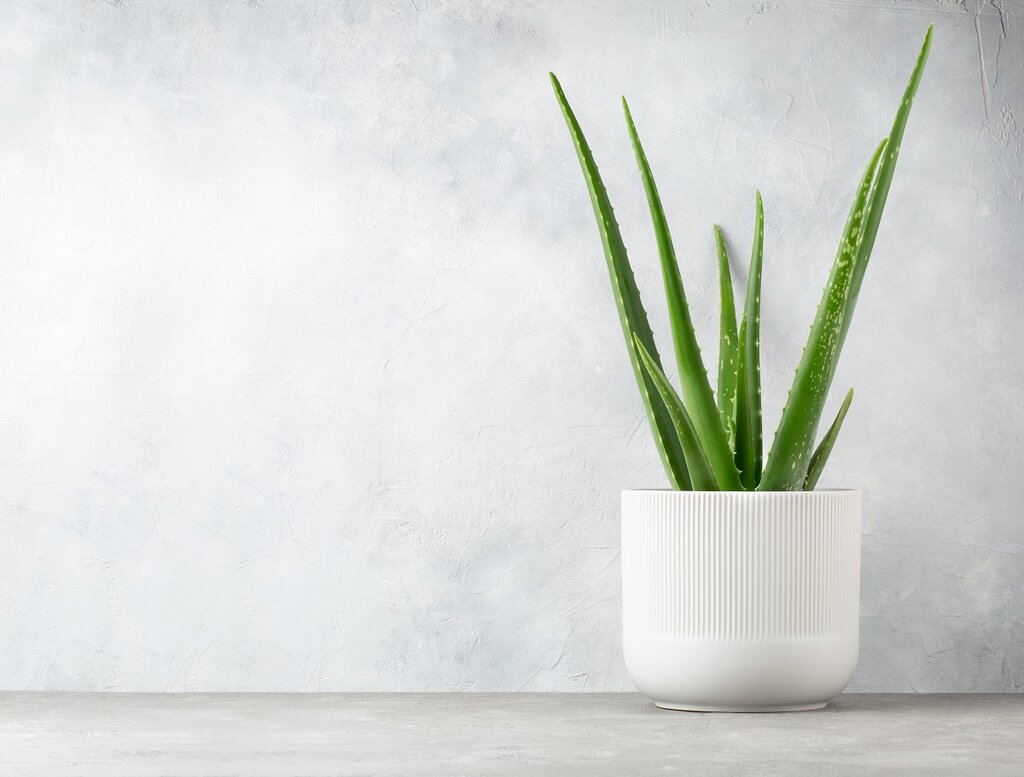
681 707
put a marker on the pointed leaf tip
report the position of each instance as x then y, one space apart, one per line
557 85
821 454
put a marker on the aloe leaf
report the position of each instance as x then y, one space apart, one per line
802 415
824 448
632 315
748 402
792 447
791 450
701 475
728 346
883 179
697 396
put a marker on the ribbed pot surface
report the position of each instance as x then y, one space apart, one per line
741 601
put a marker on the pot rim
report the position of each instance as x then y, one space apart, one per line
742 494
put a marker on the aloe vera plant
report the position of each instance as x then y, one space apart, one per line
712 441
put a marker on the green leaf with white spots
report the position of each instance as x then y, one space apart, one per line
718 445
880 189
632 315
728 345
748 403
791 449
697 396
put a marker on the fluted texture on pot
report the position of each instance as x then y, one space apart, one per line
736 566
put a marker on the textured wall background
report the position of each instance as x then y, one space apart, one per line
310 375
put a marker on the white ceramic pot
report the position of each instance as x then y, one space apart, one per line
741 602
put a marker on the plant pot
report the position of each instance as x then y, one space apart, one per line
739 601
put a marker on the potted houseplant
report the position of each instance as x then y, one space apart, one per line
741 583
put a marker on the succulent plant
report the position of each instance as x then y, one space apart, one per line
713 443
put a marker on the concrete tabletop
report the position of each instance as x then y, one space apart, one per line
138 735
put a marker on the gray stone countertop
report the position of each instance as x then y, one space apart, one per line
209 735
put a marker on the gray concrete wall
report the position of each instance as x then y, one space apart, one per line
310 375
